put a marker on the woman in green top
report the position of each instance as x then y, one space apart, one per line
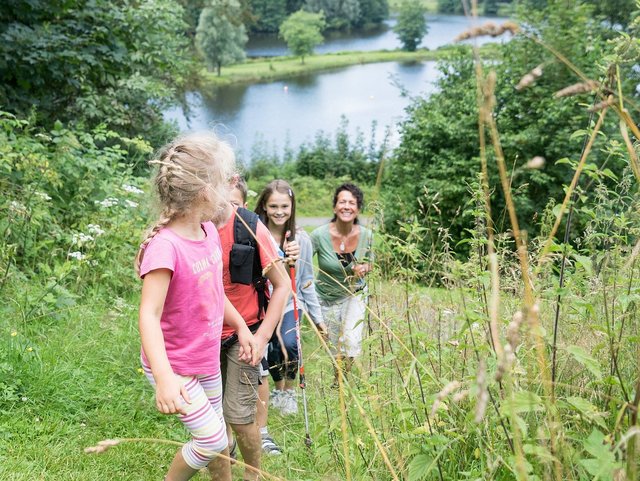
343 247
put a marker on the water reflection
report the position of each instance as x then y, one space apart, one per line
291 112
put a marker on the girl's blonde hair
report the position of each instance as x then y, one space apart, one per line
185 167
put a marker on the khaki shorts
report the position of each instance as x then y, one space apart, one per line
239 387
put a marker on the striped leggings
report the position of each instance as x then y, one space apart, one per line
203 419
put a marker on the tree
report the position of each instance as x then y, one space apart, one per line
439 150
268 14
93 62
302 31
339 14
412 25
372 12
221 36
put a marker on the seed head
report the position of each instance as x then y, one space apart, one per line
536 162
483 392
102 446
529 78
490 29
579 88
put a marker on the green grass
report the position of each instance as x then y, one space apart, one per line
268 69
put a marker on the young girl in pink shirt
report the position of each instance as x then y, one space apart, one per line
183 305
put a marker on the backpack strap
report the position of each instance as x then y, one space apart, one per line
242 236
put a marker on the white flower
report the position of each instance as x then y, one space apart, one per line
43 195
81 238
17 207
76 255
108 202
132 189
95 229
131 203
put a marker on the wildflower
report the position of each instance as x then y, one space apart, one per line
29 349
76 255
95 229
43 195
17 207
14 333
132 189
536 162
81 238
140 370
130 203
108 202
24 399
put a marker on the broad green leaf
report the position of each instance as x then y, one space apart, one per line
522 402
420 466
539 451
583 358
587 409
585 262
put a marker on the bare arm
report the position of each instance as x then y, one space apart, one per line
168 388
280 281
248 349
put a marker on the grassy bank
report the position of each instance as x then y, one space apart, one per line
275 68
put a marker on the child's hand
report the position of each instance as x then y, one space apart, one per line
291 251
168 395
248 351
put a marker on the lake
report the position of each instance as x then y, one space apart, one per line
287 113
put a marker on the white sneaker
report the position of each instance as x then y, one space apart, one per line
289 404
276 399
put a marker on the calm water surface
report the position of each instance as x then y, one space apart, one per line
286 114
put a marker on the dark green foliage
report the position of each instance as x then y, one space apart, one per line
303 31
328 156
93 61
58 185
269 14
491 7
372 12
221 36
439 150
450 6
412 25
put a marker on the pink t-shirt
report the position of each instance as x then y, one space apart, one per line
193 310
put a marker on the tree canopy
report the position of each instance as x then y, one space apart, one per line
93 61
221 36
412 25
303 31
439 152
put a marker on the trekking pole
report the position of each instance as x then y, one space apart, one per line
292 273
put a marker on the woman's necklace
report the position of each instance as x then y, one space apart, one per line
343 239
